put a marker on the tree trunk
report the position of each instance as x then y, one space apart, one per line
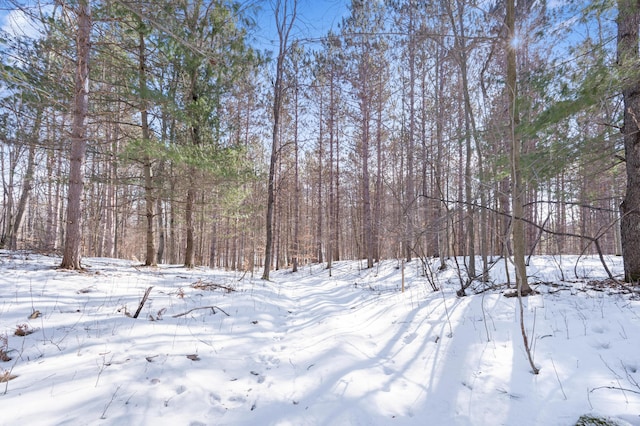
160 216
296 203
150 258
27 186
628 21
8 193
189 250
318 229
517 189
284 26
377 201
53 198
366 192
410 178
73 240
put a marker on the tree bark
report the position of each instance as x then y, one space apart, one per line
72 256
628 22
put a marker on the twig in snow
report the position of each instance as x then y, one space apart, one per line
213 309
106 407
631 379
589 398
617 376
142 302
623 333
558 377
616 388
104 365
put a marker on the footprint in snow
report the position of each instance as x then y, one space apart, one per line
601 344
599 329
269 361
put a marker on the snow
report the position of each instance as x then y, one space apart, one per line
316 347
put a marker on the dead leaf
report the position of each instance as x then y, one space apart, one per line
6 376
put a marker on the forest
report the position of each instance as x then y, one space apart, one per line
277 212
186 132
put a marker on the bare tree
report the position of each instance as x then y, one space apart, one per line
284 23
365 58
150 257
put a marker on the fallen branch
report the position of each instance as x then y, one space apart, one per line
213 309
204 285
142 302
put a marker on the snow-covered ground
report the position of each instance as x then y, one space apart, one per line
312 349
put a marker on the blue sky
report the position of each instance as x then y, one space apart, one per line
14 21
315 19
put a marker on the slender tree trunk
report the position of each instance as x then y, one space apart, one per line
410 177
150 259
517 195
336 208
213 246
161 233
8 193
268 257
442 226
628 22
331 222
284 25
366 191
320 208
377 201
189 249
53 201
111 207
296 203
517 191
173 235
73 236
27 186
